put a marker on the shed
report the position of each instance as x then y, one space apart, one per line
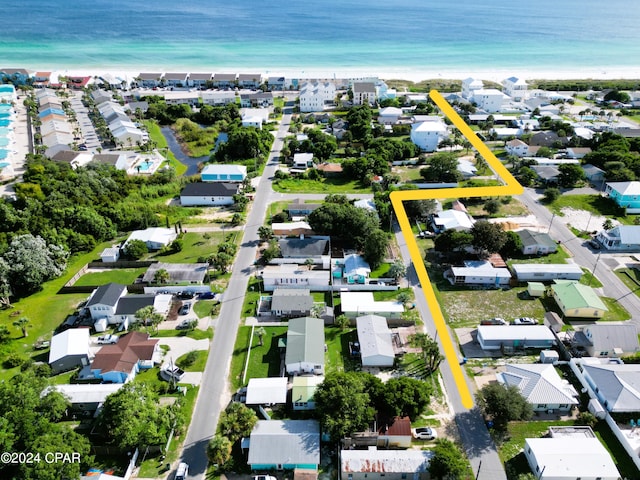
110 255
69 349
536 289
100 325
549 356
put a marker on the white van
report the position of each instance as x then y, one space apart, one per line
182 472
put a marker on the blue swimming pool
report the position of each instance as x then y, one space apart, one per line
144 166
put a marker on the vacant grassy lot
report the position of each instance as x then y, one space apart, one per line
124 276
197 245
591 203
264 360
326 185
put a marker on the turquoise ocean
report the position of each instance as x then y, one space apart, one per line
391 35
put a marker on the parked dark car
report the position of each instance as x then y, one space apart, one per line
184 309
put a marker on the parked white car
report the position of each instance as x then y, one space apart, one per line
107 339
424 433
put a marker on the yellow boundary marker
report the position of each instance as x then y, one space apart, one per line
510 187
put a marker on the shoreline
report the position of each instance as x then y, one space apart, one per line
385 73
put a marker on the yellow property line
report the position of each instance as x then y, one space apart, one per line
510 187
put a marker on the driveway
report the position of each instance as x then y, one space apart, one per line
179 346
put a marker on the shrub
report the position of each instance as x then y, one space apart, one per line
189 359
14 360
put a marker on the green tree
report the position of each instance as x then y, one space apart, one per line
237 421
221 261
551 194
309 263
5 334
570 175
404 298
342 404
442 167
452 240
397 269
23 323
342 322
503 404
133 417
492 206
617 96
260 332
135 249
265 233
420 209
219 450
607 225
161 276
448 461
429 348
406 396
513 245
488 237
375 247
272 251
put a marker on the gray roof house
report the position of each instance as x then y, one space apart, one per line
285 444
608 339
305 346
291 302
104 299
536 243
617 386
541 385
183 273
376 344
303 248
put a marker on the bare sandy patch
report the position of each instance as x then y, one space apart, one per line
582 219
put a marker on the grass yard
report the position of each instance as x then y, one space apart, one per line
251 298
381 271
204 308
155 134
509 207
125 276
560 256
466 308
391 295
337 357
197 245
631 278
197 365
590 280
326 185
196 333
591 203
408 173
616 313
264 360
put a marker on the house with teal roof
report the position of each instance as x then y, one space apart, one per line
625 194
577 300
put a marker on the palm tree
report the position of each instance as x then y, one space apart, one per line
22 323
161 276
309 263
260 332
403 298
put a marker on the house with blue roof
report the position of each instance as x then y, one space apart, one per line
51 111
224 173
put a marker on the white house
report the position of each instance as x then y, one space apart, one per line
69 349
495 337
517 147
489 99
316 96
621 237
427 135
536 243
302 161
294 276
104 300
452 219
478 272
354 304
563 458
155 238
376 345
469 85
541 385
267 391
516 88
540 272
254 117
208 193
389 115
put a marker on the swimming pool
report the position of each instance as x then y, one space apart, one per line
144 166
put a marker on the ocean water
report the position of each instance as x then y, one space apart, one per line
397 35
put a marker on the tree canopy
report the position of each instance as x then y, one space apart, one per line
442 167
503 404
488 237
448 461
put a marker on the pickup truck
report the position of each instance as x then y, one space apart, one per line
107 339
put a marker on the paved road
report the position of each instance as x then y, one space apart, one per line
214 392
475 438
584 256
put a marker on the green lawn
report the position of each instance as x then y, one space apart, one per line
630 277
251 298
512 208
408 173
46 310
275 208
326 185
589 279
195 246
337 358
198 365
204 308
560 256
381 271
616 313
196 333
124 276
391 295
591 203
156 135
264 361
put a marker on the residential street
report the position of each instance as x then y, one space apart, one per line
474 435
